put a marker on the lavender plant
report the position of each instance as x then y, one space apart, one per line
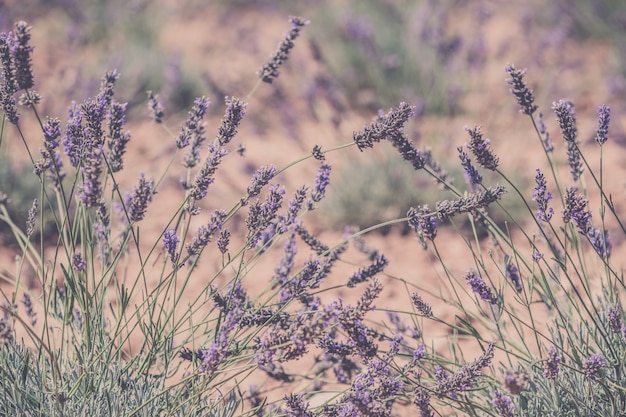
124 322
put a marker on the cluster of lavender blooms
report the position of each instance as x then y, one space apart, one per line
379 367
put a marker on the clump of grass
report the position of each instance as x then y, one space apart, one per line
124 324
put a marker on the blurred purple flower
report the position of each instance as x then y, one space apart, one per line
593 365
504 405
551 365
269 71
604 117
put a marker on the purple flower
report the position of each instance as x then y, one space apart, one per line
296 407
516 381
138 202
74 135
194 120
8 65
600 241
51 132
481 150
117 139
78 263
480 287
567 120
407 150
223 241
541 196
281 273
205 233
466 377
379 264
504 405
422 306
576 210
156 109
261 214
318 153
424 222
321 182
30 312
512 273
422 401
615 319
317 246
548 145
604 117
204 178
471 173
259 180
593 365
551 365
384 126
22 53
235 110
474 201
522 93
269 71
536 255
106 87
170 241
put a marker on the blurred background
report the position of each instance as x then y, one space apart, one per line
446 57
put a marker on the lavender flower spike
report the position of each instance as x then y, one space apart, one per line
117 139
235 110
464 378
604 117
576 210
384 126
269 71
593 365
564 111
522 93
366 273
551 366
321 182
512 273
259 180
503 405
22 52
170 241
194 118
474 201
541 196
481 150
142 195
204 178
480 287
472 175
424 222
600 241
156 109
422 306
